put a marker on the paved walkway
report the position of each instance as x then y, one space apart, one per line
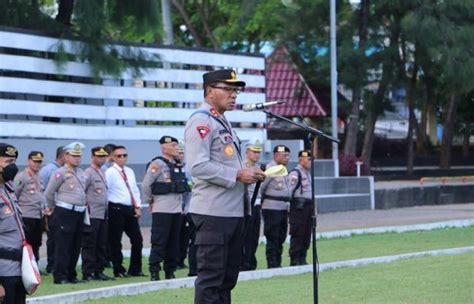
366 219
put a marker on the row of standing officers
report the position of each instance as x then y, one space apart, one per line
94 207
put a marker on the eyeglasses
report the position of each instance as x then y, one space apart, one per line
121 155
229 90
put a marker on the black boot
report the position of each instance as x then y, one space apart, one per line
169 275
155 276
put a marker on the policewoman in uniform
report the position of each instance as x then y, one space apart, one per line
219 199
11 286
252 235
69 208
163 187
94 238
29 191
300 209
275 193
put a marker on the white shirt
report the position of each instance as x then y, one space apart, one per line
117 189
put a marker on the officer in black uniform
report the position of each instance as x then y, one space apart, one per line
300 209
11 285
162 187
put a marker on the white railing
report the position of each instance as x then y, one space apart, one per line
112 109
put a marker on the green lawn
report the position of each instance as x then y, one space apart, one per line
431 280
329 250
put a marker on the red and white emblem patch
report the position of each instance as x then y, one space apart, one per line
203 131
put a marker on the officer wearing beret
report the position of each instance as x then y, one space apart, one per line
95 235
252 235
66 197
29 191
162 188
11 286
275 194
300 209
219 199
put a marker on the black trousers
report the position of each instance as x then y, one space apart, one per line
33 234
165 231
122 219
184 239
300 231
192 252
219 249
68 239
94 239
252 235
50 244
14 291
275 226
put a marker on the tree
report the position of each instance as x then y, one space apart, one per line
443 28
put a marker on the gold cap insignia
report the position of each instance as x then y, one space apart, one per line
10 151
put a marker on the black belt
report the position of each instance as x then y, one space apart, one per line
119 205
305 200
11 254
276 198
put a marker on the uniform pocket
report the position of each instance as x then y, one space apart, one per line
210 252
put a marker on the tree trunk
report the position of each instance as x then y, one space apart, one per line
449 117
207 30
65 8
350 143
411 119
369 137
187 20
465 142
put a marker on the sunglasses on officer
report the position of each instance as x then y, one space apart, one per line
121 155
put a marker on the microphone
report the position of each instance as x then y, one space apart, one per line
260 106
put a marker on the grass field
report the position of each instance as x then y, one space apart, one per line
431 280
329 250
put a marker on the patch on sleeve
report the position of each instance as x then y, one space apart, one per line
154 168
18 183
293 179
58 175
203 131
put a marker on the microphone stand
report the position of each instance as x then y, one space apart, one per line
311 133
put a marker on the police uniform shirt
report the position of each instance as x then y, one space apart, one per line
159 171
29 191
251 187
117 190
69 185
10 236
46 172
213 161
304 190
96 192
275 186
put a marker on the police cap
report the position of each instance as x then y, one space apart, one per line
226 76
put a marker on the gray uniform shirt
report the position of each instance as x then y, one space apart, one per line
251 187
213 161
69 185
10 236
96 192
275 186
164 203
46 172
304 190
29 191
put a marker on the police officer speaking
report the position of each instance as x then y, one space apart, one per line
300 209
11 286
219 199
68 185
162 188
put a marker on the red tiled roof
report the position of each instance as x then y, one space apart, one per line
285 83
